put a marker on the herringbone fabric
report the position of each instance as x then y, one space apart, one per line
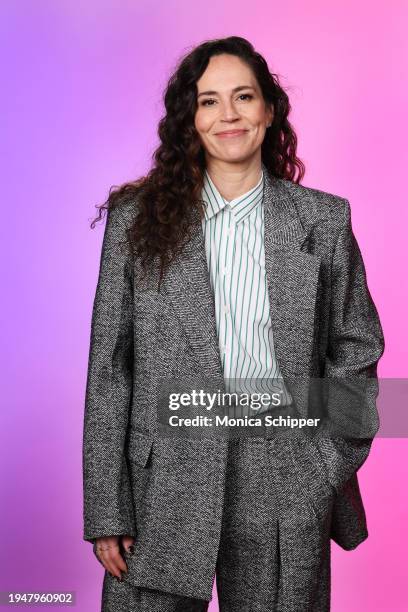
169 492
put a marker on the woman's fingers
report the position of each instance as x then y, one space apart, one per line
108 553
114 563
127 542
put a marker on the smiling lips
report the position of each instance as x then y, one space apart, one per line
231 133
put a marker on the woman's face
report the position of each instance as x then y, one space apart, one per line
229 99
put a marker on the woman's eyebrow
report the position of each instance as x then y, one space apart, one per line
208 93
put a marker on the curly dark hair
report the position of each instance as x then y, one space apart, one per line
170 191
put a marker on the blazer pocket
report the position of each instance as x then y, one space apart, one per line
311 472
142 480
140 447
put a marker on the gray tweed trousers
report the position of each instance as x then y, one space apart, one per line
288 571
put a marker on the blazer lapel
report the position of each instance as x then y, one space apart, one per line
187 284
292 275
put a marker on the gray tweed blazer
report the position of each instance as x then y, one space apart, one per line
168 493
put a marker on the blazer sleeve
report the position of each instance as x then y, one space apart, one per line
355 345
108 508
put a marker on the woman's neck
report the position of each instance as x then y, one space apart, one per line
233 180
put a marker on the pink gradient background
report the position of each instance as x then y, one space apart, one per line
81 98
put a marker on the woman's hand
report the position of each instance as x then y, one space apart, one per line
108 552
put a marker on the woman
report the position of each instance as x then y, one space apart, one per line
220 265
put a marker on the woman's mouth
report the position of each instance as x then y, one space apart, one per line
231 133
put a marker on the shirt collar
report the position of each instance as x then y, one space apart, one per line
241 207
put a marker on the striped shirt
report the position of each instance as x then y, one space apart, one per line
234 243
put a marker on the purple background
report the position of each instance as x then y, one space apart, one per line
81 98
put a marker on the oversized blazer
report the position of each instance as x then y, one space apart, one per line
168 492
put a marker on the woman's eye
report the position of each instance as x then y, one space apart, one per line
210 101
